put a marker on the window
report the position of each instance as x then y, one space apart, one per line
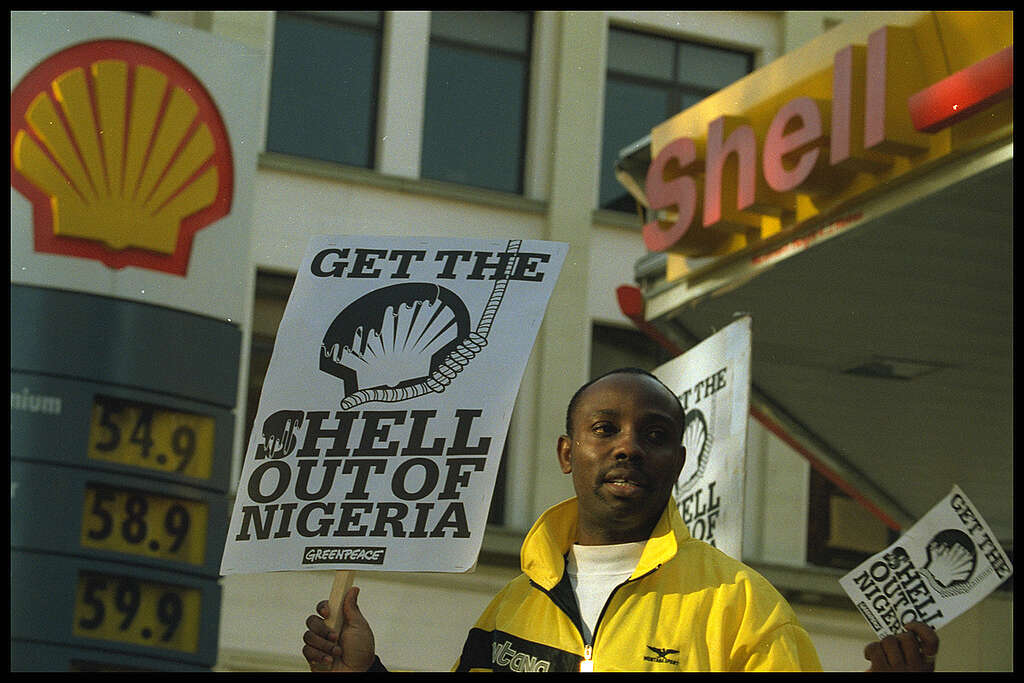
323 87
619 347
474 125
271 297
841 533
651 78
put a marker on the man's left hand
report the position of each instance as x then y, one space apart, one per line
913 650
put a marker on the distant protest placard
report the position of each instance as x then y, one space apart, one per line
712 381
940 568
387 402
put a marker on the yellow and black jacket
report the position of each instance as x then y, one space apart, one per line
687 607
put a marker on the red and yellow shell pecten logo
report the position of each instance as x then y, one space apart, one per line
122 153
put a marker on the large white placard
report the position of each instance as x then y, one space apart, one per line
941 567
386 404
712 381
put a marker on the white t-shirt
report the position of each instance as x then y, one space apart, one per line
594 571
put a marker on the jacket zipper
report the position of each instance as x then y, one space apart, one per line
587 664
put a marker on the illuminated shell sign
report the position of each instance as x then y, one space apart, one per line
122 153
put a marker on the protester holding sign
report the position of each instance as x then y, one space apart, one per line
938 569
618 562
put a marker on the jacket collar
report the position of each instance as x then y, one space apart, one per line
542 556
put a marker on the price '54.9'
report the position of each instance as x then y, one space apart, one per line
149 436
130 610
143 523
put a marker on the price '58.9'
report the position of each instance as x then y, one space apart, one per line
130 610
143 523
152 437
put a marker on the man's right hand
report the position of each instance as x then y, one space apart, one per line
324 651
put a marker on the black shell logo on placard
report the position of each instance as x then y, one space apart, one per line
394 337
951 558
697 442
407 340
952 564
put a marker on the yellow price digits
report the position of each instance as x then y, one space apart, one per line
142 523
145 435
128 610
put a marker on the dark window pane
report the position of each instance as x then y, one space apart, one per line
640 55
630 111
323 100
620 347
366 18
711 67
830 510
508 31
474 118
687 100
651 78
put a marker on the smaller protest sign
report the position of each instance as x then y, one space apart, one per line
940 568
712 381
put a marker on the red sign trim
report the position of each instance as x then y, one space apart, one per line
963 94
41 78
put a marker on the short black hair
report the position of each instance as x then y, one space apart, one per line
626 371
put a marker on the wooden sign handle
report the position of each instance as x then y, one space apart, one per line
342 582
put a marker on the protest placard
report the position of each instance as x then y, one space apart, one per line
712 381
386 404
941 567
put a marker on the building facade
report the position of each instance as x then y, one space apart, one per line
498 125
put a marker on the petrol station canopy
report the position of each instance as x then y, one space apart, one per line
854 198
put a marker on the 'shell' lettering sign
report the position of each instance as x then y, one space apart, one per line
811 150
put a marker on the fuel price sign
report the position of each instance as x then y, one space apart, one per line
112 516
119 429
127 609
150 436
100 606
143 523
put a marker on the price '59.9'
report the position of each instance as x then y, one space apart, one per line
151 437
130 610
143 523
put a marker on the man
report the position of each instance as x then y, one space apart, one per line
613 581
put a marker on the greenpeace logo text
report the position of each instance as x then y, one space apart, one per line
327 555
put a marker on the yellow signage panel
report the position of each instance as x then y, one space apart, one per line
126 609
825 124
151 437
139 522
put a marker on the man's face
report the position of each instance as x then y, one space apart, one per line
624 455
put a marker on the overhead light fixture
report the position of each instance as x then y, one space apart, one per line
884 367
